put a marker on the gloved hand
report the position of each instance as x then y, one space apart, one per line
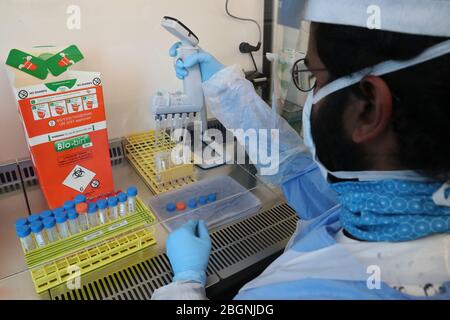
209 65
188 250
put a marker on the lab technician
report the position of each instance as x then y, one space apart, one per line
371 190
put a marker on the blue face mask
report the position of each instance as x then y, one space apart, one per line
391 210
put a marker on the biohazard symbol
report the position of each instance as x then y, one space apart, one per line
78 173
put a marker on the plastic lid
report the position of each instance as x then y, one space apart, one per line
171 207
132 191
112 201
192 203
23 231
122 197
203 200
181 206
58 210
79 199
21 222
69 205
102 204
92 208
60 217
37 226
46 214
34 218
72 214
49 223
212 197
81 208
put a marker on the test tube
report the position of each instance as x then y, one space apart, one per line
72 216
113 208
79 199
132 193
69 205
34 218
21 222
123 198
46 214
81 209
61 221
92 215
37 229
102 205
50 229
24 234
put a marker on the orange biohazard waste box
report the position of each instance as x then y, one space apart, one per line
63 116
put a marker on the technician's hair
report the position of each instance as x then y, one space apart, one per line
421 107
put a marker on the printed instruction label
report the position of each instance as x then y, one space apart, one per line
79 178
93 236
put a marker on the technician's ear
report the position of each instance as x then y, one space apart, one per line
374 116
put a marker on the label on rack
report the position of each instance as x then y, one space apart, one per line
118 225
93 236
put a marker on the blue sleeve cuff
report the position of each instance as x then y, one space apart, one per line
196 276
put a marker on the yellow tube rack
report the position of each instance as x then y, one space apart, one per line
141 150
51 265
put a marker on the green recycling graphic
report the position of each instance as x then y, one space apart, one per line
39 67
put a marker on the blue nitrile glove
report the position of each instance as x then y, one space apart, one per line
209 65
188 250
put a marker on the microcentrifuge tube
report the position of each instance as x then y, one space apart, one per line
37 228
61 222
50 229
24 234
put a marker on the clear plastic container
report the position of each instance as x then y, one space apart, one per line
92 214
72 218
81 209
63 227
50 229
102 206
217 201
132 193
37 228
26 238
123 204
113 208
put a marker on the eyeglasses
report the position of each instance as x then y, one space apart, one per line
303 77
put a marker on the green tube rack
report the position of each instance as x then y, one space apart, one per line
55 263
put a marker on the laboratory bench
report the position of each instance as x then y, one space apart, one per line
240 250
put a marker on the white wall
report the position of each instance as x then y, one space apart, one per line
123 40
